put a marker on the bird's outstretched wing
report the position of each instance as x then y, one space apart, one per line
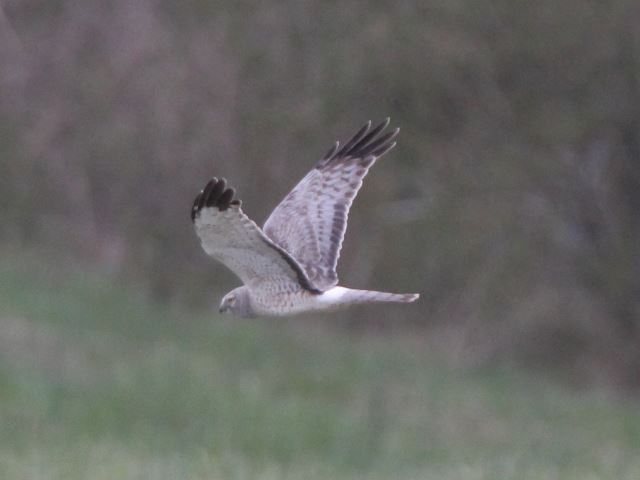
311 220
231 237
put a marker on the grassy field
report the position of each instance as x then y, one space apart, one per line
98 383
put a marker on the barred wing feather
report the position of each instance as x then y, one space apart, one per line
311 221
231 237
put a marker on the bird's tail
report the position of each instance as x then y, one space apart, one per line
368 296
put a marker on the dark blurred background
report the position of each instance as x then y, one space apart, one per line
511 201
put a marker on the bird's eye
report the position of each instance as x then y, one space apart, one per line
232 300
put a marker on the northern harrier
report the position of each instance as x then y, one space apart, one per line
289 266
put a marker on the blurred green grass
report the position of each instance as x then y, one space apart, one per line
98 383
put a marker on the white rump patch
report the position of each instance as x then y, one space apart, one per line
333 295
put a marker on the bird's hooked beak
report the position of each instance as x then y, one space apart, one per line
223 308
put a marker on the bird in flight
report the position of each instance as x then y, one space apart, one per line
289 266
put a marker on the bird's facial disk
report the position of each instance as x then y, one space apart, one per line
227 303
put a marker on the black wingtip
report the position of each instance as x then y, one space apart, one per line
380 142
383 149
195 208
329 155
366 142
355 139
214 195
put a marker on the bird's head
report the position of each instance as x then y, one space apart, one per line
237 302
